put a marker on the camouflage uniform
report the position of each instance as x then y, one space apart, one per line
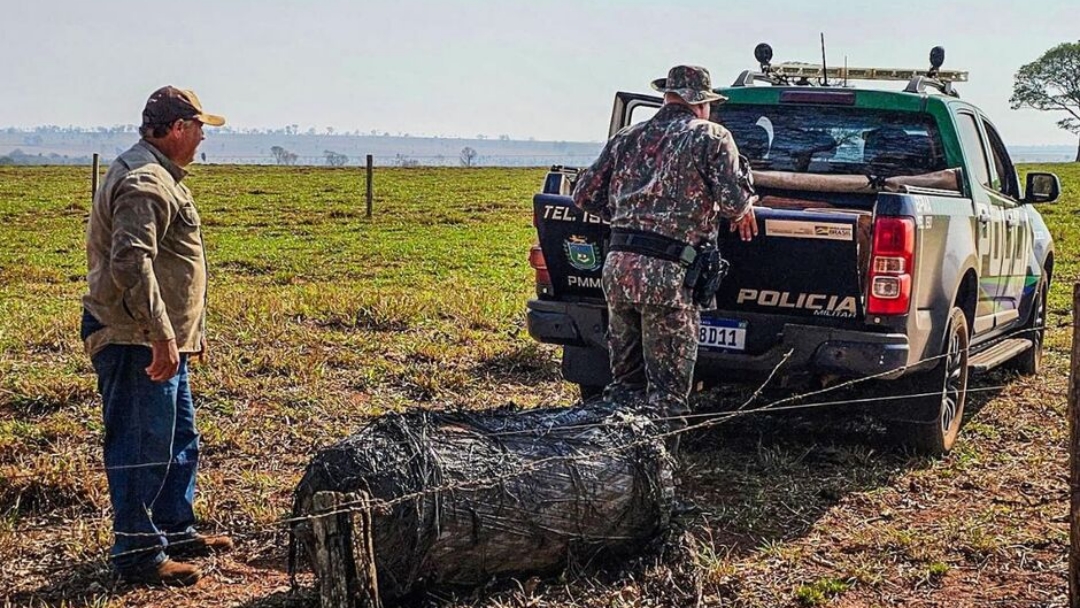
676 176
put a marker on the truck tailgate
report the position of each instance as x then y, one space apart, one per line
803 263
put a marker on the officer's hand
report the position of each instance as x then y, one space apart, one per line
746 225
165 362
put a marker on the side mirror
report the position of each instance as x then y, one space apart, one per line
1042 188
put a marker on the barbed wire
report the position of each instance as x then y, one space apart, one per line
706 421
771 406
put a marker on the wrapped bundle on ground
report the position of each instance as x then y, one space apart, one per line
431 498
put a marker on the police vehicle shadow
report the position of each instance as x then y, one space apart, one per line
753 479
768 477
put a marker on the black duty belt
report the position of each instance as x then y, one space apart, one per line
652 245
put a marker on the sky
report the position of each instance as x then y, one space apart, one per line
546 69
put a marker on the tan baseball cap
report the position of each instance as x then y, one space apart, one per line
169 104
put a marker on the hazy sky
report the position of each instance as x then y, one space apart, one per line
541 68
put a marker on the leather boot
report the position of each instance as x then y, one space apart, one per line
168 573
200 545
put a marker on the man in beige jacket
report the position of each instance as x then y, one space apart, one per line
143 318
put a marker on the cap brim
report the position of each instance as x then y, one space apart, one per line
694 97
690 96
210 119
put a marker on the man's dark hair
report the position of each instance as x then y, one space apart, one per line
155 131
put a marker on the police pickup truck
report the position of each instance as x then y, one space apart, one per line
895 242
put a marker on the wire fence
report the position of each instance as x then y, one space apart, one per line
694 423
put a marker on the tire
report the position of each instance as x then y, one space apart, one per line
590 391
1029 362
938 407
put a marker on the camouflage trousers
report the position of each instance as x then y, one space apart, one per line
653 351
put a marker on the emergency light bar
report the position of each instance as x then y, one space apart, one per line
807 70
804 74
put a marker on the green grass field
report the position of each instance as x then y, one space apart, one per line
321 317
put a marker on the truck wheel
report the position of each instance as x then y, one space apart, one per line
1029 362
590 391
940 395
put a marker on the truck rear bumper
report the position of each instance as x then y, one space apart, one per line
821 350
567 324
813 349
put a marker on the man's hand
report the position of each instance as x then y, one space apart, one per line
166 360
203 356
746 225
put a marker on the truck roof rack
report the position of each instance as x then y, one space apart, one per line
808 74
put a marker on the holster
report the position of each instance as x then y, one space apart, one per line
705 269
705 274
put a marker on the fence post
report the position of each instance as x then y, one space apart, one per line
334 567
370 162
1074 455
94 178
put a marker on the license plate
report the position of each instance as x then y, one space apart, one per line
723 334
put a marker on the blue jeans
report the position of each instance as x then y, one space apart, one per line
151 455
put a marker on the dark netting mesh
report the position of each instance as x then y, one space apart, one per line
475 495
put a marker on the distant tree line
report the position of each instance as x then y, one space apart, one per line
289 130
18 157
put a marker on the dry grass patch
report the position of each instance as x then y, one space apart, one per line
321 318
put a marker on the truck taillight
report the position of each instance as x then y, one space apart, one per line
539 264
892 258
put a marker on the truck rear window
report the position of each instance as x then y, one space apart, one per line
834 140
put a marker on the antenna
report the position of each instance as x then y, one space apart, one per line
824 68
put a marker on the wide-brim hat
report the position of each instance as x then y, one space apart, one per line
690 82
169 104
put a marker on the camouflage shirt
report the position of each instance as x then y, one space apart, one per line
674 175
147 270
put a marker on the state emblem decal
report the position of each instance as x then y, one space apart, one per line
582 254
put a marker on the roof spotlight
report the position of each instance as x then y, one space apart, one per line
937 57
763 53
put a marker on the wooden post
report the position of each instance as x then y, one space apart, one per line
370 162
335 568
94 178
367 577
1074 456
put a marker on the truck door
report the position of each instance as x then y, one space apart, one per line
631 108
1005 193
989 221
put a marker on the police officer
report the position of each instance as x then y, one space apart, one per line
664 184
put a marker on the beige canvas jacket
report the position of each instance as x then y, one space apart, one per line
147 270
